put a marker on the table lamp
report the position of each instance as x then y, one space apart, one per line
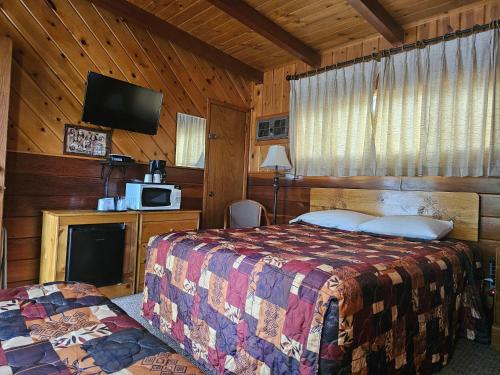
276 158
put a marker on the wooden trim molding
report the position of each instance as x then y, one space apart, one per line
380 19
5 74
142 18
268 29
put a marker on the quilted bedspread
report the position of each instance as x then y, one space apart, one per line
71 328
301 299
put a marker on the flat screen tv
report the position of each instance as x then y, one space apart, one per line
118 104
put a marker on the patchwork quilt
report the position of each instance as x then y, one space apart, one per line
71 328
302 299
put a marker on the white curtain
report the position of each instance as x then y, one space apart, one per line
190 142
438 110
331 122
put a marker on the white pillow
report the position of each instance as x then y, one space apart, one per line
339 219
420 227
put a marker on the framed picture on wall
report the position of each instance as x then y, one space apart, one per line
84 141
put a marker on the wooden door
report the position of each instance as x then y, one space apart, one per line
5 66
226 160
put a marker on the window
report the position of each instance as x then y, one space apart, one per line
190 141
435 112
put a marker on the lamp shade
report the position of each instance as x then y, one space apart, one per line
276 157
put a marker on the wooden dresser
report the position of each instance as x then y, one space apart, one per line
140 225
153 223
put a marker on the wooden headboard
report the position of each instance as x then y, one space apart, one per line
462 208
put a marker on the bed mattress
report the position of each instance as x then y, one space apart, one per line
71 328
303 299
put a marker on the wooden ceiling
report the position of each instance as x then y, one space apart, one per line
320 24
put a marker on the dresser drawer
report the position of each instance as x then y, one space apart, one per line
147 217
154 228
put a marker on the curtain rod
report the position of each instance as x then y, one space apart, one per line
405 47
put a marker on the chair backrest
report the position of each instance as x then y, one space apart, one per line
245 214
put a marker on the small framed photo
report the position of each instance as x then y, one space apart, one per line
91 142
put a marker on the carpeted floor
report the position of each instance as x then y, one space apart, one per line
469 357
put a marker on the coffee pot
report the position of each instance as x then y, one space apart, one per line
158 167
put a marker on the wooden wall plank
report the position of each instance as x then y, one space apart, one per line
5 79
17 139
22 270
24 248
22 227
24 116
490 228
480 185
490 205
268 92
472 184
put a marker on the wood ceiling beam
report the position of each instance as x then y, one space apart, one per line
149 21
262 25
377 16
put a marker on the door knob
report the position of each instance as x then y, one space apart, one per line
211 194
212 136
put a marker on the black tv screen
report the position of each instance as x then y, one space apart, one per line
118 104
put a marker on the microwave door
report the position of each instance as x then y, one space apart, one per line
155 197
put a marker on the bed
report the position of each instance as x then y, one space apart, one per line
71 328
304 299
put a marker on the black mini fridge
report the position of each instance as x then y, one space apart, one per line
95 254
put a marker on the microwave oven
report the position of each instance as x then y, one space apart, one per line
141 196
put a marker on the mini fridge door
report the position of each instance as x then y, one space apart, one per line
95 254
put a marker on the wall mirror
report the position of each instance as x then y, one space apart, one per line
190 141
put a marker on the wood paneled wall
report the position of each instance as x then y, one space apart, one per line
38 182
272 97
55 49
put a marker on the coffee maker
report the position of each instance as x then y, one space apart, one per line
158 166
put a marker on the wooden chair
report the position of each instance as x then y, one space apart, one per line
245 214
